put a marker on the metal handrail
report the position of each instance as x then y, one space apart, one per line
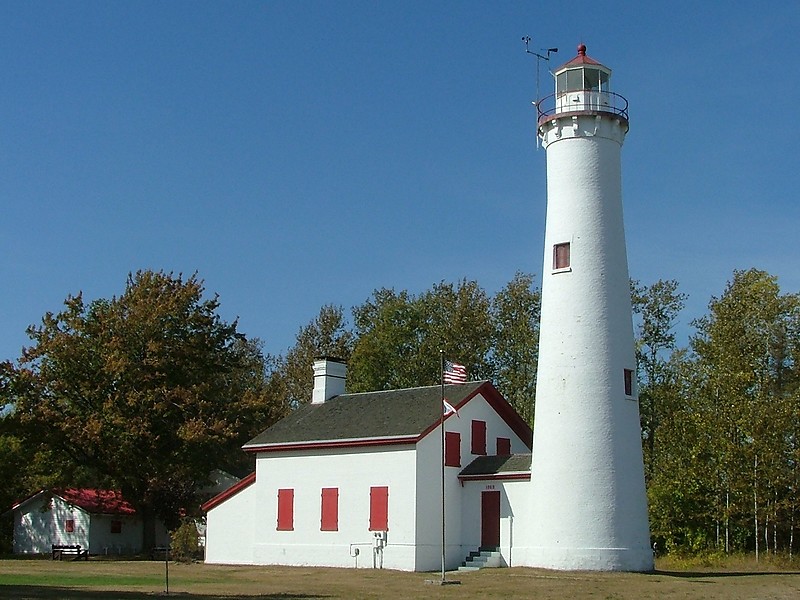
616 105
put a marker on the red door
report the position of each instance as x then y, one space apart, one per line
490 518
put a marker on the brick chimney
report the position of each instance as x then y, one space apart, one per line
329 378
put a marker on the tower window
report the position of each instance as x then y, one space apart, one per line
561 256
628 382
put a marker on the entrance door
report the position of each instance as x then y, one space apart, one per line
490 518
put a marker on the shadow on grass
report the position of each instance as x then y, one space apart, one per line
38 592
709 574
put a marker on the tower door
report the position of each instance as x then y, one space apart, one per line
490 518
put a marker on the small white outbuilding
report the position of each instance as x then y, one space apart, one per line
354 480
99 521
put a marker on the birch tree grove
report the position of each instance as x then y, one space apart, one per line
723 467
747 386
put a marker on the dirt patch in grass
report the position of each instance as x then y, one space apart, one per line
43 579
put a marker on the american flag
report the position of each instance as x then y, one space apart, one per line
454 373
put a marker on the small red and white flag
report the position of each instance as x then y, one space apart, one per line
454 373
449 409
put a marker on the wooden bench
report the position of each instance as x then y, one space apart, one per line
75 551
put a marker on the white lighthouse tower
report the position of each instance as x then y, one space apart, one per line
589 507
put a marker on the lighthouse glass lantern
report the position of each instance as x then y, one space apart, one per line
583 84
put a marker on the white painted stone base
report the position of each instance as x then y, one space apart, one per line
590 559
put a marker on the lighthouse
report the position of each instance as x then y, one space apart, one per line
588 502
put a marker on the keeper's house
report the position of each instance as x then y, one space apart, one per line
354 480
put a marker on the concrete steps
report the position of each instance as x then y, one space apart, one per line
484 557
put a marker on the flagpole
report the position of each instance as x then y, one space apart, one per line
442 417
441 421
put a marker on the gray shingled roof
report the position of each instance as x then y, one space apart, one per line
492 465
383 414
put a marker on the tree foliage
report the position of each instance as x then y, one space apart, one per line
515 312
656 307
140 392
145 392
748 387
184 542
399 336
396 339
327 335
723 470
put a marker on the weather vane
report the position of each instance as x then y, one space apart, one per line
539 59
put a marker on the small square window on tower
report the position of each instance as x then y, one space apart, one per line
69 525
628 382
561 256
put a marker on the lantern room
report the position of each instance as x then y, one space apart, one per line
582 73
582 85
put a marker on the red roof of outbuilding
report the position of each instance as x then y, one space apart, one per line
107 502
98 502
581 59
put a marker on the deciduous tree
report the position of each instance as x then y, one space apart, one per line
656 308
746 348
515 311
148 391
326 335
399 336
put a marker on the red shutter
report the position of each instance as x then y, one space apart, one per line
69 525
479 437
503 446
379 509
330 509
285 510
452 449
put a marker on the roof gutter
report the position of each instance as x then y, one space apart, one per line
346 443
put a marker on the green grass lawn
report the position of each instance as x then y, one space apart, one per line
731 579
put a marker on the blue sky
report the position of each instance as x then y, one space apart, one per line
297 154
